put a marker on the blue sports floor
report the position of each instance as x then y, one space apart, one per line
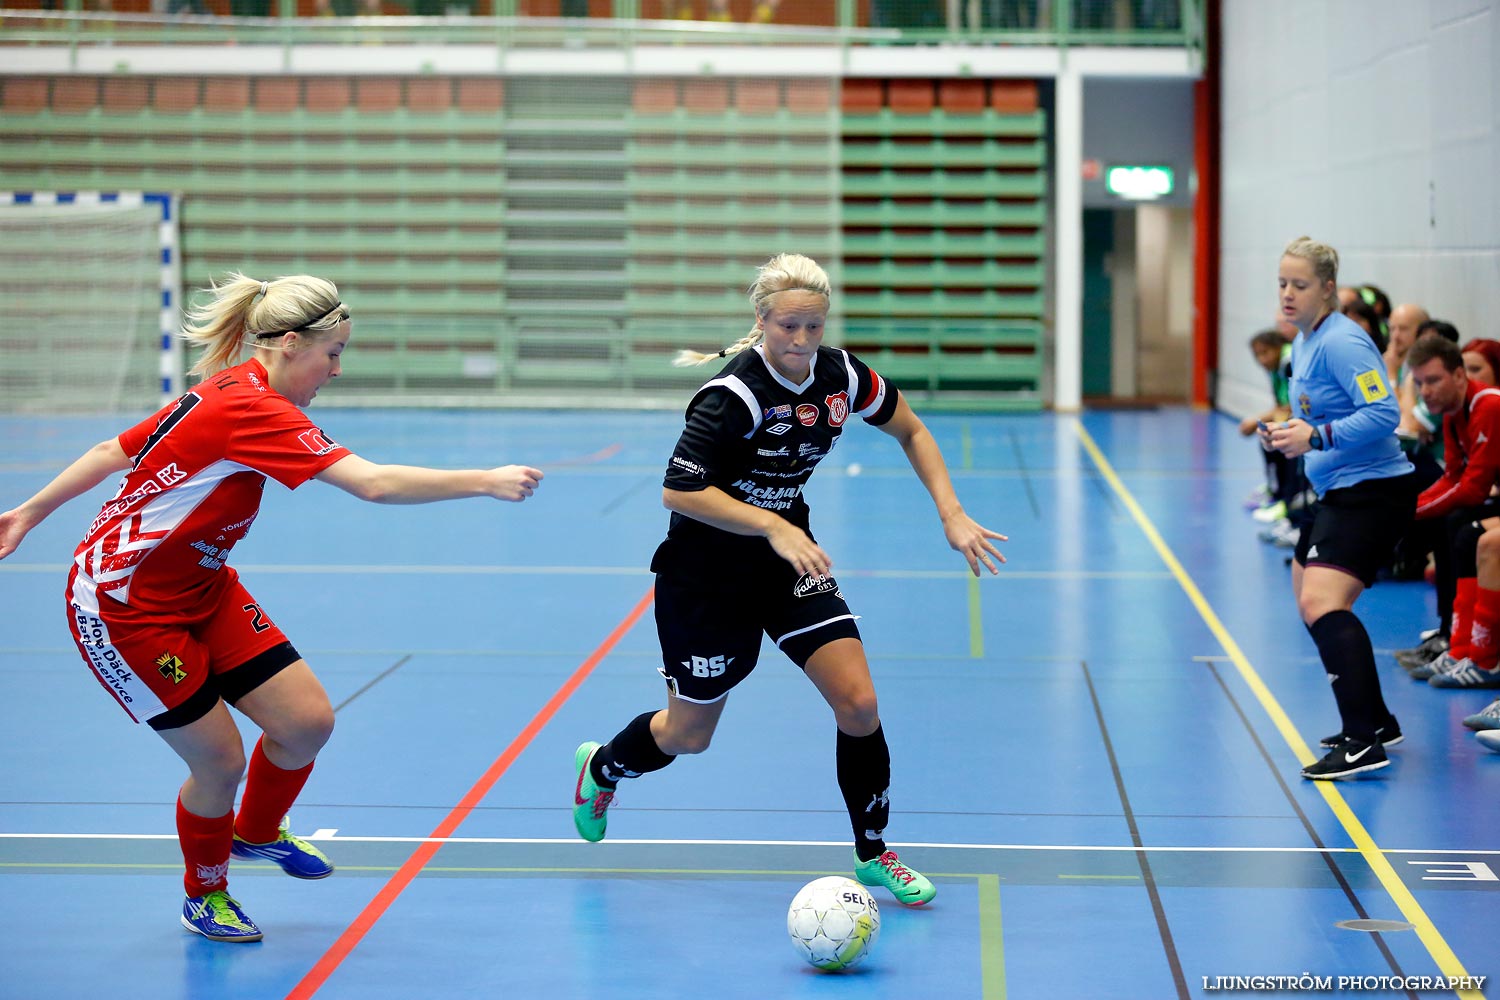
1095 754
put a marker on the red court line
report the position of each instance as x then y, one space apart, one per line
607 452
376 908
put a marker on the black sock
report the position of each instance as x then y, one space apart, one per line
1347 656
632 753
864 767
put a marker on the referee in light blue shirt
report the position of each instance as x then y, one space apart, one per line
1343 421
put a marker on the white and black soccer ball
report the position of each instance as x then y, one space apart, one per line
833 922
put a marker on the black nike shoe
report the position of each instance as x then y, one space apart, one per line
1346 760
1389 734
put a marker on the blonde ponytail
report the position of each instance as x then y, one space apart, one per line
244 307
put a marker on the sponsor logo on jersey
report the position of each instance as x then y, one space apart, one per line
688 466
755 492
782 411
781 452
142 491
805 448
213 556
807 414
778 429
838 408
170 667
316 442
241 524
768 497
807 586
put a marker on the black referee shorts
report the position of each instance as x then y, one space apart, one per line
1356 528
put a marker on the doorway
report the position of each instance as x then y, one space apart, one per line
1137 305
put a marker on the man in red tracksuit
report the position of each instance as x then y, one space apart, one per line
1471 446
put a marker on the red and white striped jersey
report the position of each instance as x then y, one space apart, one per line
200 468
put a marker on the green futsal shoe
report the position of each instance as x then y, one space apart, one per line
590 800
909 886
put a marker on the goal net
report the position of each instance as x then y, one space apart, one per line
88 303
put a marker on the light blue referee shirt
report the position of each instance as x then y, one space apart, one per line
1339 386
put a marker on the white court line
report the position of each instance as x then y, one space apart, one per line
574 841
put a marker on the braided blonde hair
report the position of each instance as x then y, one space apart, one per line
784 272
244 307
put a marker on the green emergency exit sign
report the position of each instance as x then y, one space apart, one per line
1138 183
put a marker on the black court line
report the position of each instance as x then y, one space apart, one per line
1135 838
1312 833
383 675
378 678
1015 447
634 489
1097 480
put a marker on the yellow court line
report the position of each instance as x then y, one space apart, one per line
1437 947
991 940
976 621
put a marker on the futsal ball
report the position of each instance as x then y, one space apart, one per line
833 922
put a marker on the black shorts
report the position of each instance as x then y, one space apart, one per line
710 629
1356 528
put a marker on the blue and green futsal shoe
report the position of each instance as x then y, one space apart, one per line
218 917
294 855
590 801
909 886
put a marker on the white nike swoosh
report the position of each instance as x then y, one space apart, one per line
1350 758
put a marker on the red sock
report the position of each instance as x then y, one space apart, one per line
269 793
205 850
1459 642
1484 629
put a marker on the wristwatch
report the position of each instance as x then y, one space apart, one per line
1316 441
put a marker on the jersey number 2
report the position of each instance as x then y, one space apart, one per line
257 617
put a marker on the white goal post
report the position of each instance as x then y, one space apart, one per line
90 301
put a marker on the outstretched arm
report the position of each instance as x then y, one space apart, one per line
91 469
965 535
413 484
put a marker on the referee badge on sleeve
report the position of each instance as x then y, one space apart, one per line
1372 385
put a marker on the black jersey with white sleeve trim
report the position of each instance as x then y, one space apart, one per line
758 436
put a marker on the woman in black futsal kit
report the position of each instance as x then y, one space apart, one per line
739 559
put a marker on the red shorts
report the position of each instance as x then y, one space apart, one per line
172 673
